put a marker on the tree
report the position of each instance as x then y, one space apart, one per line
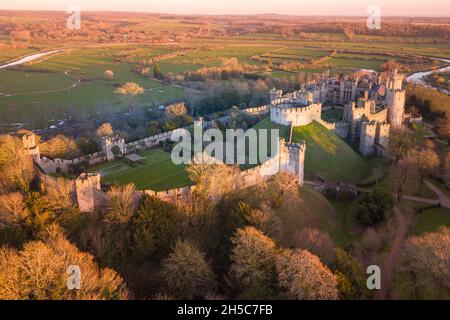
176 109
59 193
304 277
156 227
426 261
121 204
130 91
105 130
317 242
446 169
40 211
253 264
12 207
157 72
278 186
39 271
59 146
350 275
108 75
16 165
186 272
372 207
212 180
401 141
426 160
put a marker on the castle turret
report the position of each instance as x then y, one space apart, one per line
87 184
395 101
367 138
112 146
275 95
29 144
383 135
292 159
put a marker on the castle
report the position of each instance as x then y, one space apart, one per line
371 106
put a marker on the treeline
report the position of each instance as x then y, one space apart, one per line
350 29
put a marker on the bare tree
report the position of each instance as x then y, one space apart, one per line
426 259
39 271
304 277
317 242
12 207
122 202
130 91
60 193
278 187
426 161
16 165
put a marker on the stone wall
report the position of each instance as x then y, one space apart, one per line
286 114
340 128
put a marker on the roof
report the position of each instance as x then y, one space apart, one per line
134 157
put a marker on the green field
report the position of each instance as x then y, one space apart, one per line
50 89
158 173
328 156
430 220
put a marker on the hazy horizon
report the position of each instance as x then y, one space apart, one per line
404 8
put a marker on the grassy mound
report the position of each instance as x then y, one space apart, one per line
328 156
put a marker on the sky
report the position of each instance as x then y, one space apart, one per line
293 7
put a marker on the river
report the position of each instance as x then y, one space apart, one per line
418 76
28 58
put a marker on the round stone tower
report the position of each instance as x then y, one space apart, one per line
395 101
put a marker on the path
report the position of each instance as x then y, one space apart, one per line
444 199
388 267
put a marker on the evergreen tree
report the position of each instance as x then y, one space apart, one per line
156 227
157 72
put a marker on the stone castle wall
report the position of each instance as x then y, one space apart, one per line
286 115
290 158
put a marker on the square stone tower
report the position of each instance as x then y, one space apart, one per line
108 143
29 144
367 139
292 159
383 135
275 95
86 186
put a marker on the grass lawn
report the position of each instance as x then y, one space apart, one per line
333 114
328 156
158 173
348 226
311 209
430 220
411 187
44 91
